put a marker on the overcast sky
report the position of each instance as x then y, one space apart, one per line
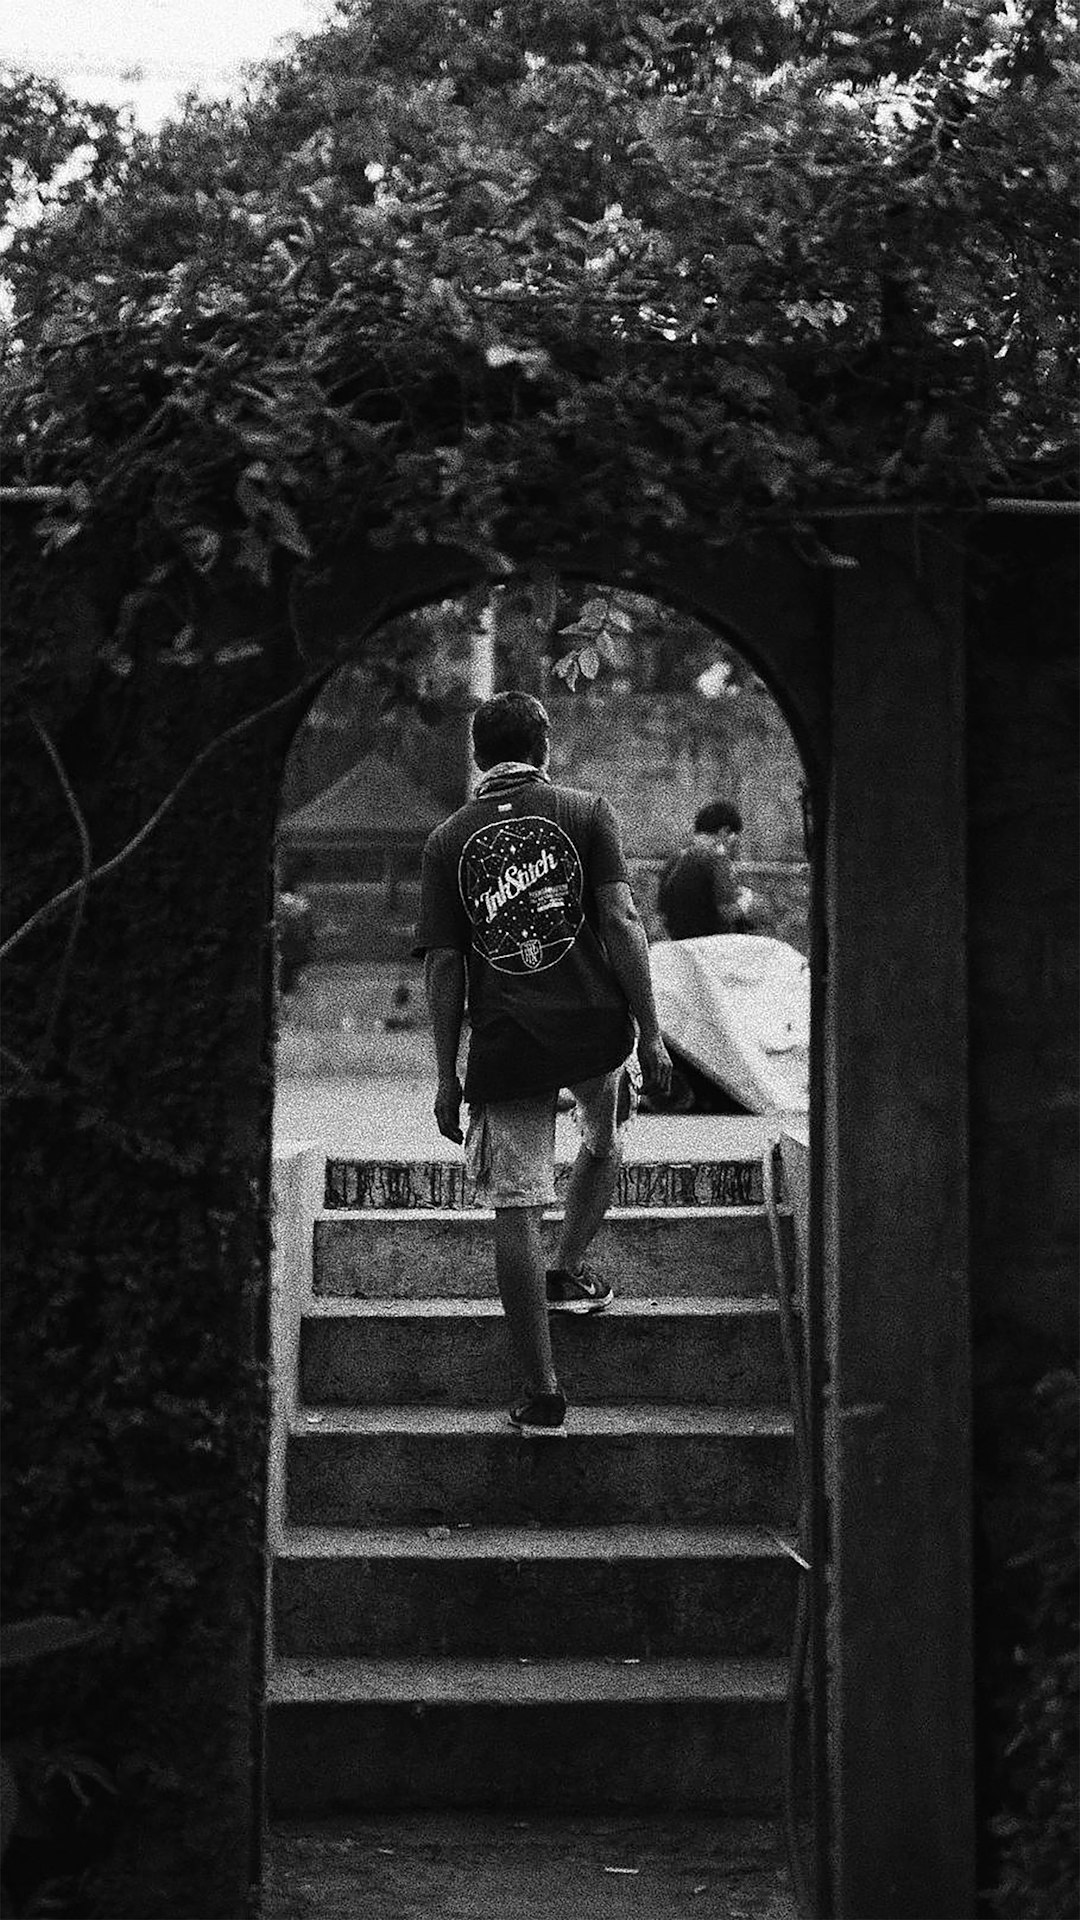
95 46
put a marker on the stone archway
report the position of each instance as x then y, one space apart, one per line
171 1066
867 663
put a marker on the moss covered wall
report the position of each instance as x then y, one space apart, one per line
135 1236
1023 976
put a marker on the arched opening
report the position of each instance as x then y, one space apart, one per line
667 715
662 713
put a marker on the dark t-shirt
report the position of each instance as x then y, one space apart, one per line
698 894
510 881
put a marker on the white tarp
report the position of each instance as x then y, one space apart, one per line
737 1005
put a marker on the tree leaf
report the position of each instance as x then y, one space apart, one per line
250 498
764 192
593 615
131 606
253 554
287 529
202 546
237 650
58 533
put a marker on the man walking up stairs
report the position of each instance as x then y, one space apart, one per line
460 1621
528 925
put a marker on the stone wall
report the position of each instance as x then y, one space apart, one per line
659 757
1022 762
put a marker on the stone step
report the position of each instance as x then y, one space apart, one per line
569 1734
709 1352
445 1185
645 1252
631 1592
419 1466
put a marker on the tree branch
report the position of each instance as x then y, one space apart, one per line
50 907
108 866
240 727
83 884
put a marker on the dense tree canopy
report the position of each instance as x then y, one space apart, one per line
489 273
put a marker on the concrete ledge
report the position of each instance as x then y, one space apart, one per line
595 1424
645 1252
658 1599
453 1352
626 1542
359 1467
569 1753
514 1682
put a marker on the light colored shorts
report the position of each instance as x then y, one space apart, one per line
510 1146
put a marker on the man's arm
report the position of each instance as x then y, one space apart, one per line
727 905
444 981
628 951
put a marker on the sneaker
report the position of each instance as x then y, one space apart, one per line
541 1413
579 1292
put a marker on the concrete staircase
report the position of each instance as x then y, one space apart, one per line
462 1617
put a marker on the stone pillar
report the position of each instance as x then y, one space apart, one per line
897 1415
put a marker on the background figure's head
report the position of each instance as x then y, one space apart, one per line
512 726
720 819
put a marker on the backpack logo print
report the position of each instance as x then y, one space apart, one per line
521 884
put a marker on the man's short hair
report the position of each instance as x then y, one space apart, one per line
718 816
512 726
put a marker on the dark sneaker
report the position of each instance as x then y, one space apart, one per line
541 1413
580 1292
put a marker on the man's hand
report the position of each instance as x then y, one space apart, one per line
448 1110
655 1065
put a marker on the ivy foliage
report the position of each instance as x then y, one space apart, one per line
494 274
54 149
1038 1873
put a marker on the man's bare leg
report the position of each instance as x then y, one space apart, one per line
588 1197
519 1274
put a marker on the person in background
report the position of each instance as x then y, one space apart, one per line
698 892
527 920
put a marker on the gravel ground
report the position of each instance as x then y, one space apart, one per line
477 1866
